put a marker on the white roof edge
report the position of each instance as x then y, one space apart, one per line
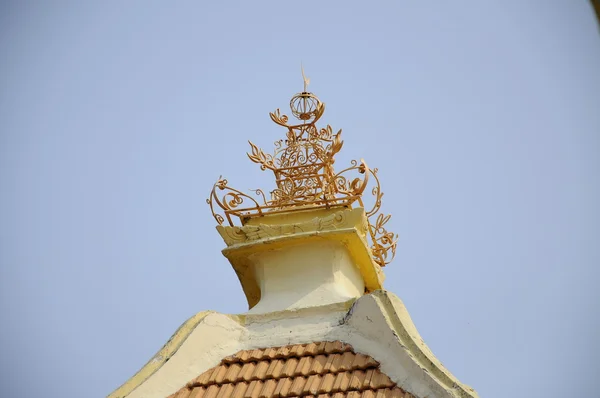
382 318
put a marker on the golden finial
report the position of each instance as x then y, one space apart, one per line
304 176
306 106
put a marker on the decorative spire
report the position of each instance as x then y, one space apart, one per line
305 178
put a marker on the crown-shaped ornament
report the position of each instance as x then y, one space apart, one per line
305 178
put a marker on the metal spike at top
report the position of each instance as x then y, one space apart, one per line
306 79
304 105
302 164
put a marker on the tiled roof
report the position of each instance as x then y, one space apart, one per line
325 369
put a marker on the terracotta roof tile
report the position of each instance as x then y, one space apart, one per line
381 393
363 362
256 355
333 347
347 360
368 377
341 382
275 368
312 385
217 375
225 391
369 394
289 367
243 355
327 383
201 380
282 388
357 380
260 372
311 349
211 392
269 353
239 390
335 361
381 380
268 388
232 373
297 386
253 389
318 363
231 359
283 352
297 350
328 369
321 347
303 367
246 372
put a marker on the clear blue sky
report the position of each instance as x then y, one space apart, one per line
117 117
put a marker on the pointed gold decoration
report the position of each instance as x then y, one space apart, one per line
306 79
305 178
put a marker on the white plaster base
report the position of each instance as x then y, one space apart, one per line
306 275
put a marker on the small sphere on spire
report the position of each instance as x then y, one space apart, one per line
304 105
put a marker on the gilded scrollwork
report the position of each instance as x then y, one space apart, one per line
304 177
